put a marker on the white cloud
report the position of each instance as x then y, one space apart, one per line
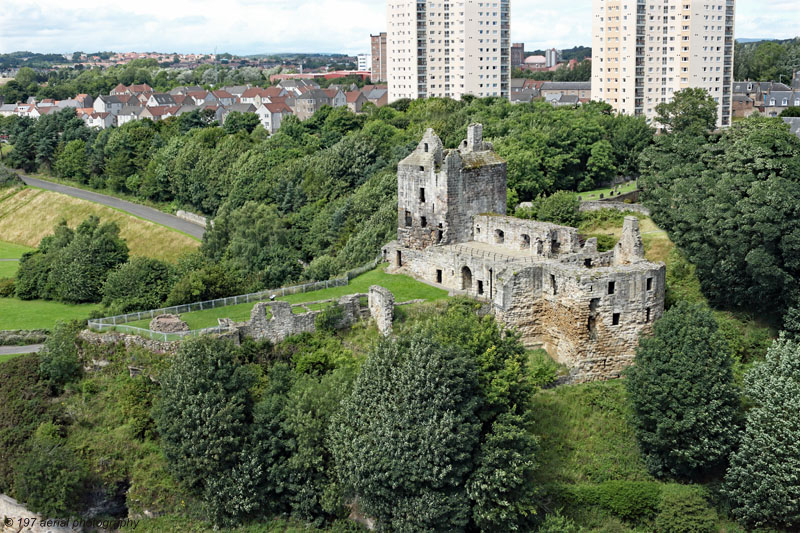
261 26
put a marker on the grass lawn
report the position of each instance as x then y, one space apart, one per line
8 269
39 314
595 194
403 287
12 251
27 215
10 356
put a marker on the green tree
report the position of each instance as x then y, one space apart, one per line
691 110
204 411
60 361
561 207
404 439
138 285
683 397
600 167
236 121
762 480
71 162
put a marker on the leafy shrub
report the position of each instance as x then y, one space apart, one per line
138 285
557 523
60 362
634 501
8 178
7 289
31 281
136 403
50 478
542 368
208 283
322 268
561 207
23 407
684 509
330 319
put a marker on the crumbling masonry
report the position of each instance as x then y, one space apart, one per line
586 308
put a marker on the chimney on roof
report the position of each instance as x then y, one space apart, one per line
475 137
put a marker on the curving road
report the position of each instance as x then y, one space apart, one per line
141 211
14 350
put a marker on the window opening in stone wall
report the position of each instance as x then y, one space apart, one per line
647 315
555 246
423 222
399 258
426 147
478 230
587 262
526 241
499 236
438 236
591 324
553 284
466 279
421 168
422 195
480 287
438 276
649 284
615 319
611 286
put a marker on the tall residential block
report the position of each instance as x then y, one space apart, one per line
379 56
644 51
448 49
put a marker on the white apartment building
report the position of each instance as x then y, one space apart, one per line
364 62
644 51
448 48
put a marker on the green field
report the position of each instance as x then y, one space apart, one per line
39 314
403 287
12 251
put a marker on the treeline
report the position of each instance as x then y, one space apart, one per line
766 60
319 196
66 83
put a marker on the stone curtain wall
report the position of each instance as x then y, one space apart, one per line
619 206
381 307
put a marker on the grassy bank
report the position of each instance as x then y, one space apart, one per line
27 215
403 287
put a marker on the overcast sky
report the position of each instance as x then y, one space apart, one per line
264 26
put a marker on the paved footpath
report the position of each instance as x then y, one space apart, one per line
14 350
141 211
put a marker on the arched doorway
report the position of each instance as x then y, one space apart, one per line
466 279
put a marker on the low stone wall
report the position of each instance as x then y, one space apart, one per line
21 337
12 512
381 307
129 341
193 218
619 206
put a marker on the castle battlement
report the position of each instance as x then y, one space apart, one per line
586 308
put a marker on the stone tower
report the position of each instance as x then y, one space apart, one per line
439 191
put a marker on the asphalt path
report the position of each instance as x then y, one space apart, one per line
141 211
14 350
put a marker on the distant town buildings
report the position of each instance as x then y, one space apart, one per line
551 57
517 54
768 98
448 49
644 51
379 56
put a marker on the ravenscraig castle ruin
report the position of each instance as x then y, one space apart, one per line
586 308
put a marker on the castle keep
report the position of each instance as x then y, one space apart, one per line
586 308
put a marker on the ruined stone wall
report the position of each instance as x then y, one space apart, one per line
114 337
619 206
579 317
381 307
283 323
541 239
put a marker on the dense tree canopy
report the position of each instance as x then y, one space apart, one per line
683 397
762 480
732 204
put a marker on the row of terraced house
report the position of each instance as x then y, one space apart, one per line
298 97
